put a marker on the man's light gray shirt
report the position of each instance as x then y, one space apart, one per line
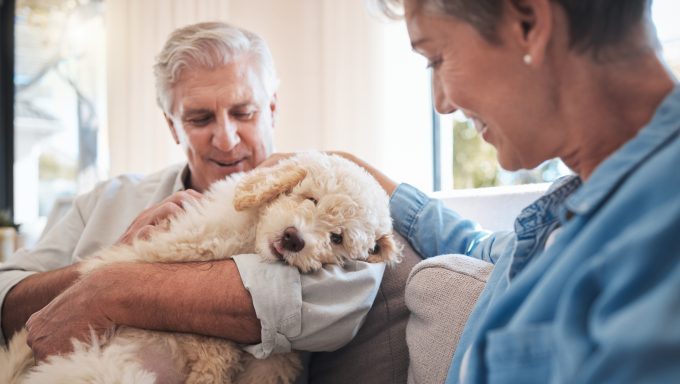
321 311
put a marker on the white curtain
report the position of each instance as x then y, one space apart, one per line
348 81
139 140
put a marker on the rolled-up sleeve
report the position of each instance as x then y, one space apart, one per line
8 279
433 229
320 311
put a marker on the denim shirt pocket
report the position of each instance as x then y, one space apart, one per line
520 355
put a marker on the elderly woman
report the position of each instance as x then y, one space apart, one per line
587 288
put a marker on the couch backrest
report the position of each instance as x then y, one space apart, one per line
378 353
494 208
441 293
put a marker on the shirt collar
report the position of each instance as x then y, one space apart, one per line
665 125
182 181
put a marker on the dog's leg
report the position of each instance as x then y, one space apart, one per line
16 360
209 359
276 369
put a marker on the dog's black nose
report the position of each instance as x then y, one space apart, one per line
291 241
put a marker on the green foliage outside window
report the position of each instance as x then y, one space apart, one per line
474 160
475 164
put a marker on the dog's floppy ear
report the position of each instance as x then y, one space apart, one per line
264 184
386 250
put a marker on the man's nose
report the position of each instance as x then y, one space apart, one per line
226 136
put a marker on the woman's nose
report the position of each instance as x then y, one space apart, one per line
226 136
441 102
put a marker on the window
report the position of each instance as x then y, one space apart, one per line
6 103
664 15
59 104
466 161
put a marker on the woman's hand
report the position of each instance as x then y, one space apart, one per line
153 218
385 182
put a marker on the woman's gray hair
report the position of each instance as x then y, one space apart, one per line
593 24
209 45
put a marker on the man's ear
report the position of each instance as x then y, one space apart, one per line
531 26
385 250
171 125
272 108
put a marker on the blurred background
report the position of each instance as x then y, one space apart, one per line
84 102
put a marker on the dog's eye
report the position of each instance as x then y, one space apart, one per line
313 200
336 238
375 249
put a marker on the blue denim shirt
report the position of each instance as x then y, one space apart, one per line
601 303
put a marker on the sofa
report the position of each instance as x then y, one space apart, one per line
411 332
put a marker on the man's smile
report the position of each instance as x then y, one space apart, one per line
227 163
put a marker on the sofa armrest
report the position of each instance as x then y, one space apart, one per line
440 294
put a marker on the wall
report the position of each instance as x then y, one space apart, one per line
348 81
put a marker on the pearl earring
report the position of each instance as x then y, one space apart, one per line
527 59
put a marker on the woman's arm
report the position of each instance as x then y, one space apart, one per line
430 227
385 182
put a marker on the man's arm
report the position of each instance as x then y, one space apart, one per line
209 298
205 298
32 294
39 284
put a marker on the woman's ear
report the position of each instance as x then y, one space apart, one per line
531 26
262 185
386 250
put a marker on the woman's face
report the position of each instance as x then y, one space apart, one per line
489 82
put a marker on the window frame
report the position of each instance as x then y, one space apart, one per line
7 13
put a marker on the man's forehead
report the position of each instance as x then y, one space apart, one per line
217 96
236 83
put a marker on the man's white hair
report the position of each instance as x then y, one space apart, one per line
210 45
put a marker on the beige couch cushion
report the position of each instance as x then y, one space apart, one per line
378 353
440 293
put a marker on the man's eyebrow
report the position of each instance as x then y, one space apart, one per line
197 111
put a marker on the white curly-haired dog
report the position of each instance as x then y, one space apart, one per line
308 210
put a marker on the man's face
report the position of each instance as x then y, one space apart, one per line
223 119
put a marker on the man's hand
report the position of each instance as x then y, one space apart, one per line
152 218
72 315
32 294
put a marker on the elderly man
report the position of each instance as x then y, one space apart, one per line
216 85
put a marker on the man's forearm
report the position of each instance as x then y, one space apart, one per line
32 294
206 298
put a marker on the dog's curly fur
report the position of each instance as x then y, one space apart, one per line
335 210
